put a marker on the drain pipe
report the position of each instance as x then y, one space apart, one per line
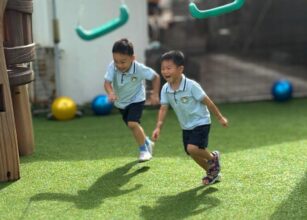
57 55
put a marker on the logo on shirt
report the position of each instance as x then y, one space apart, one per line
184 99
134 78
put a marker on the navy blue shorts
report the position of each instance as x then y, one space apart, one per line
198 136
132 112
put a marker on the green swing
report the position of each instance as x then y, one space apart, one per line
200 14
105 28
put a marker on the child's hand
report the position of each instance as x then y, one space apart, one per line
112 97
223 121
155 134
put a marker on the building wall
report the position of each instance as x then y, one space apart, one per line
266 27
83 63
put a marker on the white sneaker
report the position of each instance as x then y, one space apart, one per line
150 146
144 156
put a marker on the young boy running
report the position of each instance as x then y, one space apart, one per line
191 104
124 84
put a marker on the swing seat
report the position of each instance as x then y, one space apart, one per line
105 28
201 14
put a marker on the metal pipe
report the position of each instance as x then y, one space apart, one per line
57 55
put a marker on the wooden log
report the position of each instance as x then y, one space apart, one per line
19 54
18 34
20 76
22 113
9 158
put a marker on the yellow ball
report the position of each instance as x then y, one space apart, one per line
64 108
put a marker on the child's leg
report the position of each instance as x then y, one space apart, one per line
205 159
200 156
201 162
203 154
131 116
195 142
132 119
138 132
140 138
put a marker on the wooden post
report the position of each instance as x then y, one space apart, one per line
9 158
23 119
18 37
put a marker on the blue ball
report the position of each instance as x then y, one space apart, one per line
101 105
282 90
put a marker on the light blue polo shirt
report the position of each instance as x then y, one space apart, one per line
129 86
187 103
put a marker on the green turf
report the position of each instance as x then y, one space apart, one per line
86 169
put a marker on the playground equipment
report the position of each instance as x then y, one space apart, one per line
105 28
19 51
282 90
64 108
9 159
101 105
16 51
201 14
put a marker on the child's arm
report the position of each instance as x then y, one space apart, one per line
109 89
214 109
154 96
161 116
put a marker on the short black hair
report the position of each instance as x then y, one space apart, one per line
123 46
174 55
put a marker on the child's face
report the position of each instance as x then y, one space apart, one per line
170 71
122 61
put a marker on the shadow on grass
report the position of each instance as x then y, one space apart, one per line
295 206
4 185
182 205
106 186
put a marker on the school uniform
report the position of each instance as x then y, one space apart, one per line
193 115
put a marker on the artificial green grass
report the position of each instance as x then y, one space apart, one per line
86 169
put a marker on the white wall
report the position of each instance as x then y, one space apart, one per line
83 63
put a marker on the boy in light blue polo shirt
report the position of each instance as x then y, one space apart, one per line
124 84
191 105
